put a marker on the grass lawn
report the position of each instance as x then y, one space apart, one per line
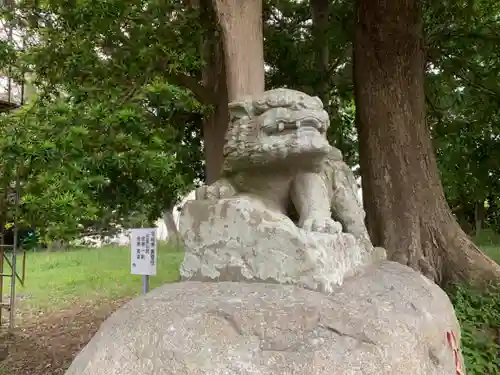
55 280
489 242
492 251
66 297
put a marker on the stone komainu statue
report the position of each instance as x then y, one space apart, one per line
276 149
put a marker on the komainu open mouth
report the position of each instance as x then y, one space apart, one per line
287 125
311 122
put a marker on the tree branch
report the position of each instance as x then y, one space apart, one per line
201 93
480 87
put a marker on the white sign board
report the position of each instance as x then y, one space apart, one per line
144 251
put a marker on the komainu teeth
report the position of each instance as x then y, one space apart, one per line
281 126
297 124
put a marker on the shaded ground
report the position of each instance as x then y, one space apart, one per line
47 345
56 315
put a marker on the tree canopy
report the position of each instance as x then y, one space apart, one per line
108 136
116 128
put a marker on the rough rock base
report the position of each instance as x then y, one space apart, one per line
388 321
240 239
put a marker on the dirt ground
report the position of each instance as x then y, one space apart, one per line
48 344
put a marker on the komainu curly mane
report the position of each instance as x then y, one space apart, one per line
276 149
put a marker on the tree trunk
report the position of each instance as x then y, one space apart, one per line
214 79
215 123
406 209
320 13
214 131
174 239
243 44
479 216
234 67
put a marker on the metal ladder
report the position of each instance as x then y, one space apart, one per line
9 262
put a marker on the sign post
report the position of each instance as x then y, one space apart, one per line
144 254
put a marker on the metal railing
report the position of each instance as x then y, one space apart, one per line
9 259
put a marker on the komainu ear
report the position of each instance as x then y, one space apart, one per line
318 100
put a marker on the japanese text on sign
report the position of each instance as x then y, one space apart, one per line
144 251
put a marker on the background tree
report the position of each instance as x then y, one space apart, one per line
78 179
407 212
241 24
108 120
303 56
463 63
86 55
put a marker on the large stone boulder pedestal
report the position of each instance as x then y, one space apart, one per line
389 320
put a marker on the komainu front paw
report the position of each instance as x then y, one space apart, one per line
323 225
218 190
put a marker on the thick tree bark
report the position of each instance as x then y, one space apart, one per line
234 54
320 14
214 82
215 123
243 43
214 130
406 209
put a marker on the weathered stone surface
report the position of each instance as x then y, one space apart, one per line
241 239
276 150
388 321
286 208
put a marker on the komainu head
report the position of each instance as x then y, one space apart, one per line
279 127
